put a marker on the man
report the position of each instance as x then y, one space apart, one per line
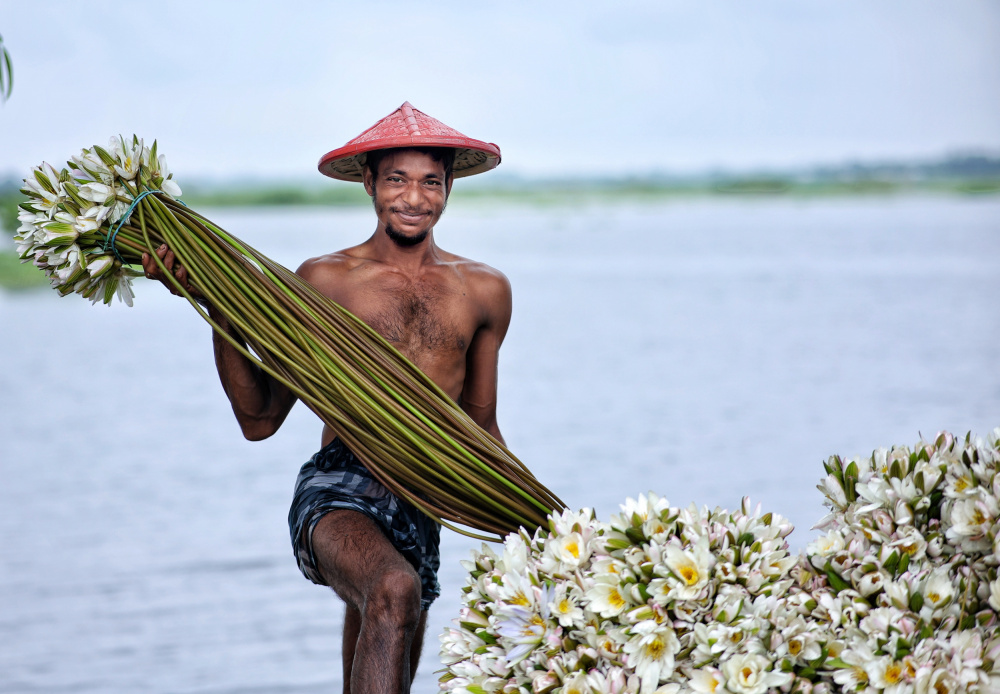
449 316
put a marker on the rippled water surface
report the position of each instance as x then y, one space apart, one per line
706 351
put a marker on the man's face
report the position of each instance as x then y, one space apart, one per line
409 193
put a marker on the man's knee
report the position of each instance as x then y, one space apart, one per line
395 597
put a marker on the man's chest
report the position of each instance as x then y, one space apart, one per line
426 320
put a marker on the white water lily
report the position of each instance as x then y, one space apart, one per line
128 157
161 173
973 516
752 674
606 597
565 605
651 653
569 550
708 680
97 192
898 595
692 569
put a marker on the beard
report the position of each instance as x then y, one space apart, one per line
402 240
399 238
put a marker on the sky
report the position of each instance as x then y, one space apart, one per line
263 89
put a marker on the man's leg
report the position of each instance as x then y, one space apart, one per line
418 642
352 626
382 592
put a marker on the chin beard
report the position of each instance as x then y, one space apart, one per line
403 240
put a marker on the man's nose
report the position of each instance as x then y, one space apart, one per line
413 195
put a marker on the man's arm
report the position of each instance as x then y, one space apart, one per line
259 402
479 392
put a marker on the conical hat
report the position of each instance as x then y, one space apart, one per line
408 127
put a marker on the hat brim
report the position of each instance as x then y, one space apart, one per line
471 156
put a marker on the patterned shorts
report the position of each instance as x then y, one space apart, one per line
335 479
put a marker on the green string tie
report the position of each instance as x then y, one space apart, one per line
110 239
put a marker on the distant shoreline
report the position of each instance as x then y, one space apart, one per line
17 276
957 174
559 192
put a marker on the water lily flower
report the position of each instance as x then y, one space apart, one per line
606 597
651 653
569 551
752 674
129 157
565 606
972 517
523 628
97 192
690 569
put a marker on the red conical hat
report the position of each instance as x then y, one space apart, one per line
408 127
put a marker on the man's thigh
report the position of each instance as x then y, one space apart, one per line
352 553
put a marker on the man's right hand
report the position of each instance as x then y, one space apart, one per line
173 267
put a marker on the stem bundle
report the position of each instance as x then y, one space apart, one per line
406 430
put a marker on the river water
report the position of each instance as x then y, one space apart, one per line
704 350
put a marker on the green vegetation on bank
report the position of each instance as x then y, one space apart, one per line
955 175
17 275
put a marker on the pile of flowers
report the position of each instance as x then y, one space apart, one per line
66 221
900 594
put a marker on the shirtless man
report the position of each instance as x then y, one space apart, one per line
449 316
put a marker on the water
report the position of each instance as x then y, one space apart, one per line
706 351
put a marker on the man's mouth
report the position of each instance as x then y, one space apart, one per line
410 217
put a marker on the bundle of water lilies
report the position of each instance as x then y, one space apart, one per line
900 595
88 224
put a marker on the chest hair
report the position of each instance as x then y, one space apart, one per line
416 322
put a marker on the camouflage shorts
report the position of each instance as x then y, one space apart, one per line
335 479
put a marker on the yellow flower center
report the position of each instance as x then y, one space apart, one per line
564 606
978 517
934 597
746 673
909 549
520 599
893 673
794 646
615 598
655 649
961 484
574 549
689 574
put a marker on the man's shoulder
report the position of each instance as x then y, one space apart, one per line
331 264
480 275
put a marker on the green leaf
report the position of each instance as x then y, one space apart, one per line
916 601
835 579
852 471
6 72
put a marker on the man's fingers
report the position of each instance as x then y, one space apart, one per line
148 266
172 267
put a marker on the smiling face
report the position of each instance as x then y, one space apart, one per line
409 192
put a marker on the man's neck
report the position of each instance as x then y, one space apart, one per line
406 258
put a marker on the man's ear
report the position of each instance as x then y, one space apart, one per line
447 184
368 180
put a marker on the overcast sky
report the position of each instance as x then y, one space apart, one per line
265 88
